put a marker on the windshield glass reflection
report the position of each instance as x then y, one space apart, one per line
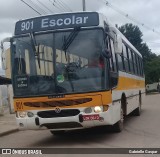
51 70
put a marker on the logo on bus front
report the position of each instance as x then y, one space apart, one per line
57 110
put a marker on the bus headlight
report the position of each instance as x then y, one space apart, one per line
97 109
30 114
22 114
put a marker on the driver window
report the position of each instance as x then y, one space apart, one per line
113 64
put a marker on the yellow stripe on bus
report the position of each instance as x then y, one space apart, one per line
125 83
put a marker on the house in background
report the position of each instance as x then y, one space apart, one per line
6 91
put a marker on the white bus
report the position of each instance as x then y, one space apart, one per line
74 71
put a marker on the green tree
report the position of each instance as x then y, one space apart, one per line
134 35
152 70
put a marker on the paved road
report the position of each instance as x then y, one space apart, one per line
139 132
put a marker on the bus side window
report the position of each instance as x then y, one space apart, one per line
142 68
138 66
111 59
125 58
131 61
113 56
127 52
120 62
135 64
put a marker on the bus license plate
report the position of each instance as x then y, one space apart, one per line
90 117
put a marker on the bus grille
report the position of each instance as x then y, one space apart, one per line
61 103
62 113
62 125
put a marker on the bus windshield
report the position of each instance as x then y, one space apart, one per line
58 63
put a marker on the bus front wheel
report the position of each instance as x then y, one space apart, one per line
118 127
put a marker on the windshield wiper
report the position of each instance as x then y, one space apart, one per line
38 56
69 40
34 44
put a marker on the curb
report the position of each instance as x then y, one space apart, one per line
9 132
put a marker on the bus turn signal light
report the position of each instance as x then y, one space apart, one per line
105 108
22 114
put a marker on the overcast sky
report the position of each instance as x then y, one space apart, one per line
144 11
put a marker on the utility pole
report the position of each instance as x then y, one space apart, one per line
84 5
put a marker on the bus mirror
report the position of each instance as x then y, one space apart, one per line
118 45
106 53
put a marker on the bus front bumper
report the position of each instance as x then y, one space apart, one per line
80 121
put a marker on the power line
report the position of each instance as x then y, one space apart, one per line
101 2
58 2
45 6
36 5
31 7
129 17
53 4
66 5
152 42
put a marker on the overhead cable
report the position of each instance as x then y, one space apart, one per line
38 7
65 5
55 6
129 17
45 6
31 7
56 3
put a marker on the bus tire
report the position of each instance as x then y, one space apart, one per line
118 127
137 111
57 133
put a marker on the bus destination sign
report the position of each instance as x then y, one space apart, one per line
58 21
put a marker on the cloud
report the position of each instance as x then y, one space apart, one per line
145 12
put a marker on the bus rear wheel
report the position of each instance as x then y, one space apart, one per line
118 127
57 133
